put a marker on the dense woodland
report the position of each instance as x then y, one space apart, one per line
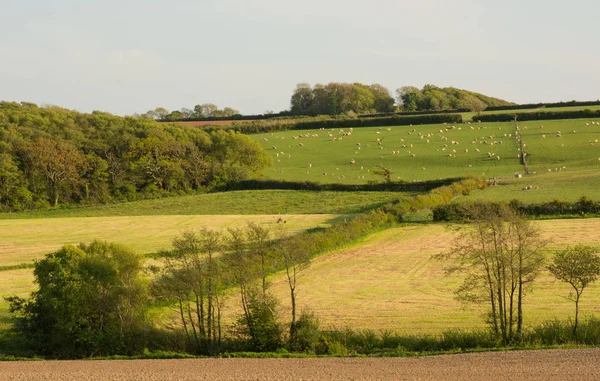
51 156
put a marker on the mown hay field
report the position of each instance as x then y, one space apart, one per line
391 282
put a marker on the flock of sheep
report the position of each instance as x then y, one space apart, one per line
443 141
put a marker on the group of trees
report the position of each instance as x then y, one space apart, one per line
93 299
50 156
195 280
205 110
340 98
501 256
356 98
433 98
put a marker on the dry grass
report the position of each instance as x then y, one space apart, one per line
391 282
22 241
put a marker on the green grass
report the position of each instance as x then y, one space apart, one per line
229 203
325 160
548 156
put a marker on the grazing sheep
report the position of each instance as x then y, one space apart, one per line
352 161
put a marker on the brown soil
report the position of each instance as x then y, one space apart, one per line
573 364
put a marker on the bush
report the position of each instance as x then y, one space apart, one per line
305 333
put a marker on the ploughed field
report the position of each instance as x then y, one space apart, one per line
566 165
557 364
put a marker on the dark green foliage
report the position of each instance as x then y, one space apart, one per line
51 156
541 115
306 333
262 327
543 105
91 301
258 127
312 186
464 211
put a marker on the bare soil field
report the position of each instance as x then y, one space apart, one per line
558 364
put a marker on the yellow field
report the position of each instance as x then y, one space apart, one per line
391 282
23 240
387 281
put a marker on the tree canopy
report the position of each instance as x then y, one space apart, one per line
340 98
433 98
50 156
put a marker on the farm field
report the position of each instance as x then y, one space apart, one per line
555 364
390 282
248 202
22 241
318 157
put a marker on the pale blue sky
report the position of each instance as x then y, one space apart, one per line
129 56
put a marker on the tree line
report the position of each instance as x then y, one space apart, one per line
353 99
51 156
205 110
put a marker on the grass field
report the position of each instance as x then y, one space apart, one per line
229 203
390 281
24 240
564 167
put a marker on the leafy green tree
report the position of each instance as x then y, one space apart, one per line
578 266
303 99
383 101
91 301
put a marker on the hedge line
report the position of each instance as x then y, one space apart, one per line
339 235
468 210
542 115
546 105
313 186
262 127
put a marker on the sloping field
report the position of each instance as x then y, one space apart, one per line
565 166
422 152
390 281
23 240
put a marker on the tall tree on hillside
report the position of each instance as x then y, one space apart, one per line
578 266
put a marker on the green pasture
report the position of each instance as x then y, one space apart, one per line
413 153
229 203
564 167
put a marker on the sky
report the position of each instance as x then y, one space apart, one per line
130 56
